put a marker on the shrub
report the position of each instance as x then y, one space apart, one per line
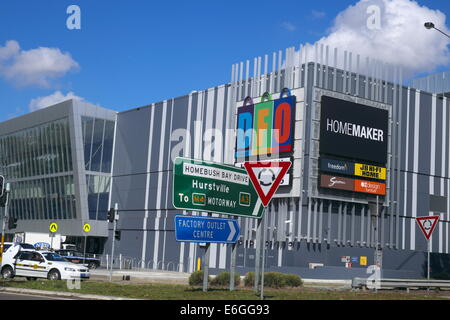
441 276
223 279
249 279
293 280
196 278
275 280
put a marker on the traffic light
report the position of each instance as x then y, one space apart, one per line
117 235
111 215
2 183
12 223
3 199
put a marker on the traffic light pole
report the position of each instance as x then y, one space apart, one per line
116 208
5 215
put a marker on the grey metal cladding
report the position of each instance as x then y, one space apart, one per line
129 191
157 136
424 134
133 126
438 203
438 138
130 220
32 119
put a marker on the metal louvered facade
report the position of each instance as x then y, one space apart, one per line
304 224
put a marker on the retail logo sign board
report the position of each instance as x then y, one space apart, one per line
427 225
352 169
340 183
356 185
212 187
370 171
265 128
353 130
266 177
370 187
206 229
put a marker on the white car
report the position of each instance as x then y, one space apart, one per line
33 264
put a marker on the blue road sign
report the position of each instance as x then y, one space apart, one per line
206 229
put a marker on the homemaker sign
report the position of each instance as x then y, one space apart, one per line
353 130
212 187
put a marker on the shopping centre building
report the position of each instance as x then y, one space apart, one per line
369 155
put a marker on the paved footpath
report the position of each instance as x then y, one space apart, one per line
148 276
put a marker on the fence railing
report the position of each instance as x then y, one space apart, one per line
121 262
362 283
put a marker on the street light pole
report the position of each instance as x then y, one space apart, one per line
430 25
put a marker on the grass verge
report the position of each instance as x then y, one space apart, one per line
184 292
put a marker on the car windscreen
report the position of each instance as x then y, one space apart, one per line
53 257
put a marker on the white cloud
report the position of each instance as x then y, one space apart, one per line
35 67
401 38
318 14
54 98
288 26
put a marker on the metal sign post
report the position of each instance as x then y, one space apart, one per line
427 225
258 255
263 229
206 262
266 177
428 259
86 229
4 220
233 264
206 267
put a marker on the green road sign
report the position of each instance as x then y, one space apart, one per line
212 187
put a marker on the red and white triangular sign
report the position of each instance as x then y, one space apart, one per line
266 177
427 225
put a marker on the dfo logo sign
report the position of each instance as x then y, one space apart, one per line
266 127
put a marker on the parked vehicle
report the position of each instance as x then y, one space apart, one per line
33 264
78 257
26 246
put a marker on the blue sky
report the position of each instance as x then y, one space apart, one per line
132 53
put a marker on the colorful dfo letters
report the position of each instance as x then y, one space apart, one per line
266 127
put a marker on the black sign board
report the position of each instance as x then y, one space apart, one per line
353 130
337 166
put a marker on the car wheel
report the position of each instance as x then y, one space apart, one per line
54 275
31 278
7 272
92 265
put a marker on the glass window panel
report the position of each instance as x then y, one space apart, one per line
70 193
108 147
46 199
61 212
22 155
63 152
97 144
59 147
21 205
44 151
88 132
68 146
48 166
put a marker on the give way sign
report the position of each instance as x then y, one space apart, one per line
266 177
427 225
